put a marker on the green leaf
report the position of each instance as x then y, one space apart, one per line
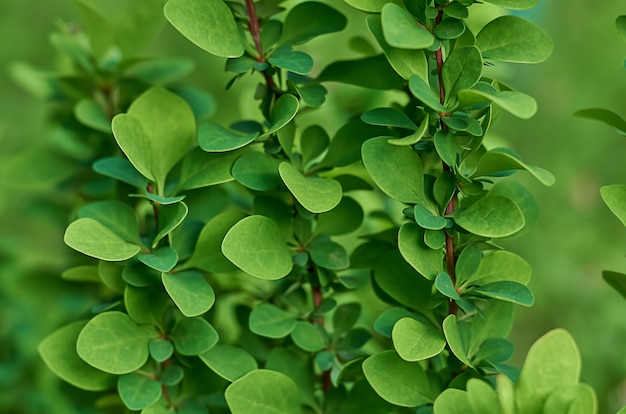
396 278
397 170
163 259
315 194
313 142
415 137
145 305
255 245
138 391
387 319
552 362
121 169
191 293
159 199
215 138
113 343
449 29
496 321
308 20
388 117
514 4
455 340
492 216
453 401
170 217
616 280
82 274
88 112
211 26
229 362
161 71
521 105
208 254
201 169
372 72
521 196
620 24
155 133
284 110
161 349
291 60
298 366
272 322
257 171
501 265
420 89
193 336
311 93
307 337
480 398
401 30
415 341
92 238
397 381
58 350
345 218
116 216
435 239
405 62
328 254
263 392
500 159
462 70
368 5
444 284
344 317
507 291
427 262
607 117
426 219
615 198
514 39
467 263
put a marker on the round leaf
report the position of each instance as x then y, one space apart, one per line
193 336
415 341
229 362
162 260
308 20
401 30
272 322
307 337
113 343
315 194
255 245
215 138
138 391
492 216
263 392
191 293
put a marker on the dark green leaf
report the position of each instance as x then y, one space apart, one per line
507 291
161 349
345 218
610 118
215 138
193 336
120 169
328 254
257 171
313 142
455 339
371 72
616 280
426 219
308 336
420 89
462 70
345 316
283 111
309 20
416 136
201 169
449 28
170 217
388 117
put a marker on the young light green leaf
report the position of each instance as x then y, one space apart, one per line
615 198
610 118
116 216
500 159
229 362
453 401
272 322
92 238
402 31
507 291
500 265
397 170
215 138
397 381
444 285
255 245
193 336
514 39
211 26
455 340
156 133
308 20
263 392
514 4
553 361
491 216
577 398
427 262
415 341
316 194
113 343
163 259
420 89
58 350
191 293
367 5
138 391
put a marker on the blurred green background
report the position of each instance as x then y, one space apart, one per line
575 239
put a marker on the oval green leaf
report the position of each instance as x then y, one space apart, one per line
314 193
92 238
491 216
415 341
272 322
229 362
191 293
263 392
138 391
401 30
193 336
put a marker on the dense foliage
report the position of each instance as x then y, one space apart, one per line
254 267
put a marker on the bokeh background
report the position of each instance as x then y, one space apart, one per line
575 238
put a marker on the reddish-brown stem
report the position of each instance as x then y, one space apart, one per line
450 258
255 29
318 297
164 391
